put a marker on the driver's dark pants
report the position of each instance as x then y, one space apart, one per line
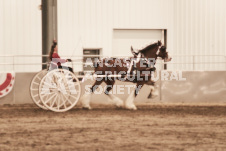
67 68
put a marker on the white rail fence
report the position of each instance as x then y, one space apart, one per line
33 63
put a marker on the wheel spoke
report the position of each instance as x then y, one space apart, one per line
39 78
35 95
73 96
36 83
56 90
58 102
67 99
50 98
64 102
50 86
65 105
46 91
71 91
52 78
34 89
47 94
55 98
60 97
38 101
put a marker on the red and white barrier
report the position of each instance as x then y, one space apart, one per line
7 81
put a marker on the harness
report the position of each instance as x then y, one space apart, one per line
132 69
134 61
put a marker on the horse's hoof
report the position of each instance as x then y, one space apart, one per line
149 96
119 105
134 108
131 107
152 96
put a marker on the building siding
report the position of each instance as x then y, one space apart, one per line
194 27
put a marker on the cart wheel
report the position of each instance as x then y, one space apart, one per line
59 90
34 88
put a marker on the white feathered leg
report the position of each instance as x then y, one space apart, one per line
129 104
85 99
154 91
117 101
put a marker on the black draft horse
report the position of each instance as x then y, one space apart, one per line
127 70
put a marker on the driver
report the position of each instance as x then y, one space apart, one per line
56 60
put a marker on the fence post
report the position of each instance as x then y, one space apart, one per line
160 85
160 82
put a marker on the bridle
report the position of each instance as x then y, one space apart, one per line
147 61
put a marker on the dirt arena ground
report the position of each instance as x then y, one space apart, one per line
151 127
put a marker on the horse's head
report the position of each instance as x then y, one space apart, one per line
164 54
149 51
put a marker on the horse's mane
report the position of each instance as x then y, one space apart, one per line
150 46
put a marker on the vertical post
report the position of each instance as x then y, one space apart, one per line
49 27
165 44
160 85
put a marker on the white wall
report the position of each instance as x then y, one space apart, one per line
94 21
195 27
20 33
90 23
137 38
199 29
